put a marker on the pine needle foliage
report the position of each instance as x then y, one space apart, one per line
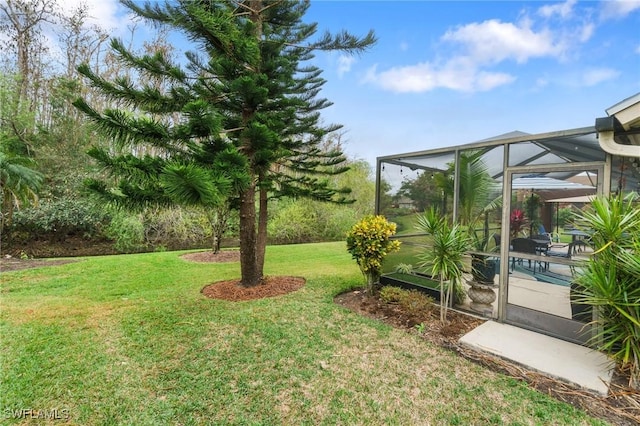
240 112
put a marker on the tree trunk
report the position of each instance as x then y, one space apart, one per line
262 230
250 272
251 257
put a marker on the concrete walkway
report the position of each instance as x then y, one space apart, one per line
562 360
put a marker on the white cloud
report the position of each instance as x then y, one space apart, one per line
344 64
638 49
107 14
586 32
595 76
458 74
613 9
404 46
564 10
476 50
494 41
541 82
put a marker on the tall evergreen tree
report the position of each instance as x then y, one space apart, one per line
240 118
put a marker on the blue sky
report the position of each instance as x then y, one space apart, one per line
448 73
451 72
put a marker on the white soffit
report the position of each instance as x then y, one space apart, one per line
627 112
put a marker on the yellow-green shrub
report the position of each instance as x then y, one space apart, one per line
369 241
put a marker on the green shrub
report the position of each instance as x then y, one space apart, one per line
176 227
337 220
127 232
294 222
564 216
58 219
303 221
391 294
369 241
404 268
611 279
416 305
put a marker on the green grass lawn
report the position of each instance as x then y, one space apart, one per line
129 340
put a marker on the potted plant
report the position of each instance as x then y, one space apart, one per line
478 197
444 259
483 266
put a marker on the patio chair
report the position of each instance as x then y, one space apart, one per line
524 245
566 253
550 235
543 242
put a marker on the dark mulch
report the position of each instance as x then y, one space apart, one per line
271 286
231 290
458 324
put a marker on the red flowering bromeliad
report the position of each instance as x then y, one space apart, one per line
517 220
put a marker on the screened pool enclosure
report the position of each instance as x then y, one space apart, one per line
516 194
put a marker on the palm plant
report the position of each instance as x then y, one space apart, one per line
19 182
445 257
477 201
610 281
476 186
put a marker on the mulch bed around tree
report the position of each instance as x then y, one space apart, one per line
271 286
231 290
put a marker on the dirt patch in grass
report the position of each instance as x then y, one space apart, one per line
16 264
620 407
210 256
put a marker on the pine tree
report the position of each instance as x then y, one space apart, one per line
239 119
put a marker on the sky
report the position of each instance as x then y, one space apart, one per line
446 73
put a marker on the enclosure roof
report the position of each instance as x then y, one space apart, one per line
566 146
545 182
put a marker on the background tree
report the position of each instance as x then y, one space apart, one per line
22 21
242 120
422 190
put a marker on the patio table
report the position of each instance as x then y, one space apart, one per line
577 234
579 239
